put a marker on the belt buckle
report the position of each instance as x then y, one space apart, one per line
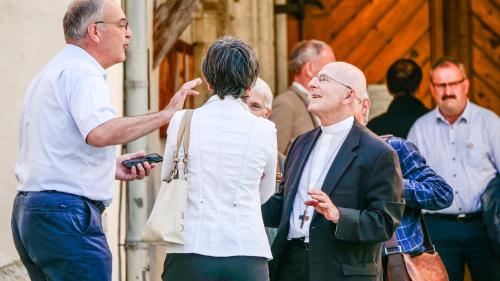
461 217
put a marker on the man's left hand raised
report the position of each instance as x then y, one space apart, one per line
323 204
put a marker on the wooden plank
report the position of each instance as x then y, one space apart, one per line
465 33
436 29
353 33
317 22
420 52
488 71
392 24
488 13
424 93
398 45
496 3
342 13
485 96
488 41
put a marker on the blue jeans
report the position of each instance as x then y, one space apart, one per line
59 236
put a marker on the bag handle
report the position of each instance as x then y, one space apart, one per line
183 133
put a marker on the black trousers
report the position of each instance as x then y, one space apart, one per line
295 263
460 242
194 267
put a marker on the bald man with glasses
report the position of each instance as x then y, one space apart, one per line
342 190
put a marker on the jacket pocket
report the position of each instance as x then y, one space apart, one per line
369 269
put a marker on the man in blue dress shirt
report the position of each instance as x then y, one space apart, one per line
461 141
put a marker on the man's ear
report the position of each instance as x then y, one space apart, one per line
93 32
308 69
269 112
351 95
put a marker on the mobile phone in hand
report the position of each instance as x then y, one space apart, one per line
150 158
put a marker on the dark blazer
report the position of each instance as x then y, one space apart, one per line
365 183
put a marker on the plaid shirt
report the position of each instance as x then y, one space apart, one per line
423 189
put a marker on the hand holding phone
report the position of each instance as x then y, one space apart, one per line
150 158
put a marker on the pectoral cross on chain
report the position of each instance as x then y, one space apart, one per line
304 217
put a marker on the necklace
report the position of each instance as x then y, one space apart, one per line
304 217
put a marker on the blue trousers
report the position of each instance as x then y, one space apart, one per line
459 242
59 237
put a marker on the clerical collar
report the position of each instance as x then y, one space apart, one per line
343 125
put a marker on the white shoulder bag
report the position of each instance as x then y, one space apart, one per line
166 222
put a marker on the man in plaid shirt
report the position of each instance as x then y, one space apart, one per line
423 188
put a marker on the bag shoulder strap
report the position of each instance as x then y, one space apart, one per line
187 134
185 125
428 246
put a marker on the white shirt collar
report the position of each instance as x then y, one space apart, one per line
215 98
343 125
82 54
301 88
464 116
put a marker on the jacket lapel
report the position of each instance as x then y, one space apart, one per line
300 160
343 159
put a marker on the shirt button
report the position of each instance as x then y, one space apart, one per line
460 209
453 158
201 202
234 204
455 175
452 143
456 192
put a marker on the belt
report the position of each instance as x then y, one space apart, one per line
458 217
98 204
299 242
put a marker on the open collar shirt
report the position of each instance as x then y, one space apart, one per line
466 153
63 103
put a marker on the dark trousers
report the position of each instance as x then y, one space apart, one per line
59 237
294 265
194 267
460 242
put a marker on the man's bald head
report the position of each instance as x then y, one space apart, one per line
335 92
347 74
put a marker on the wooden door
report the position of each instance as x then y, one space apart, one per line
175 69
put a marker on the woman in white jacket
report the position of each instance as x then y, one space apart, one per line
232 167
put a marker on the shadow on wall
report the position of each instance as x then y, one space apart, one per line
14 272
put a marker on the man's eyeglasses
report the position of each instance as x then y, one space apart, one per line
122 23
326 78
452 85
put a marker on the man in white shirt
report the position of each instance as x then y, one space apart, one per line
461 142
342 192
67 159
290 108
